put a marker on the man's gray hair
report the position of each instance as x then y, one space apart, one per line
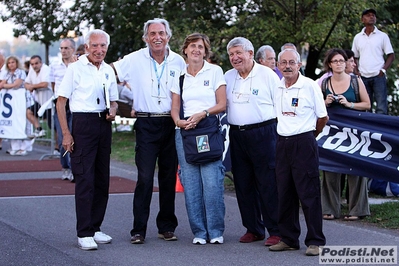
261 53
298 56
290 45
240 41
72 43
154 21
96 32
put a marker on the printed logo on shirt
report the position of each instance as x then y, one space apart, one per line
255 91
106 76
206 82
294 102
172 73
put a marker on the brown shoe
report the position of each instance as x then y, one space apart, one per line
168 236
281 246
249 237
137 239
272 240
312 250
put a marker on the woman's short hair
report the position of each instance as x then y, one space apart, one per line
193 38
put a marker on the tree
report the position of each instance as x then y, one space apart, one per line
39 20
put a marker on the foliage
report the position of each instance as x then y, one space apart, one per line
39 20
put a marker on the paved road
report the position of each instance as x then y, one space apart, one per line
41 231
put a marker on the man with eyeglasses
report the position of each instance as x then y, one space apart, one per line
57 72
301 115
267 57
369 47
250 99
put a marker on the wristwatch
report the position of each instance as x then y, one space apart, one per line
384 71
206 112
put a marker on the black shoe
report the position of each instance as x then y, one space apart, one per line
137 239
168 236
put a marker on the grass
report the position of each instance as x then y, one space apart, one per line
385 215
123 147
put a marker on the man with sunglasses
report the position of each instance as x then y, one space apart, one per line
301 115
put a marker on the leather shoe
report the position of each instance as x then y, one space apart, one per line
281 246
312 250
137 239
250 237
168 236
272 240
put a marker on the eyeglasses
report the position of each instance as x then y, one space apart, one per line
284 63
340 61
64 48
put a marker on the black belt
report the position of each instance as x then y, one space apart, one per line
300 135
145 114
92 114
252 126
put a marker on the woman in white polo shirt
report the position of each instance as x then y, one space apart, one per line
204 96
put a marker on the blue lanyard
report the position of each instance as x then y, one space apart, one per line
156 73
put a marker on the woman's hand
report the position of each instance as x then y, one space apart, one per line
195 119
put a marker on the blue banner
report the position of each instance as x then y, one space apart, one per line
360 143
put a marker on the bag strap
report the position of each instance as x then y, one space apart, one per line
324 87
181 80
355 86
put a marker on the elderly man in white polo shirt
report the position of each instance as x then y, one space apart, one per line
151 73
301 115
250 100
90 85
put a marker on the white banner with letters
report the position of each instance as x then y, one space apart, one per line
13 114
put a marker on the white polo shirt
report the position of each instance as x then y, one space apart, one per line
370 50
199 91
138 69
251 100
41 95
305 99
84 85
57 73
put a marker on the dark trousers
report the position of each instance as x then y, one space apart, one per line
253 166
90 161
297 171
155 140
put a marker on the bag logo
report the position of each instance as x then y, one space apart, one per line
202 143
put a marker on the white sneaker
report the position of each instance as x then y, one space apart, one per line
217 240
199 241
120 128
40 133
87 243
21 153
65 173
127 128
102 238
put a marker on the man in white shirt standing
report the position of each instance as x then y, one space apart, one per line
369 47
38 83
301 115
90 86
57 72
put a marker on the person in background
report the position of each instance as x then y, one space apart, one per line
13 78
90 86
267 57
204 97
339 93
2 69
369 47
57 73
81 50
253 135
159 69
125 102
38 84
301 115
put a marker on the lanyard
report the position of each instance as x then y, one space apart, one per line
159 76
